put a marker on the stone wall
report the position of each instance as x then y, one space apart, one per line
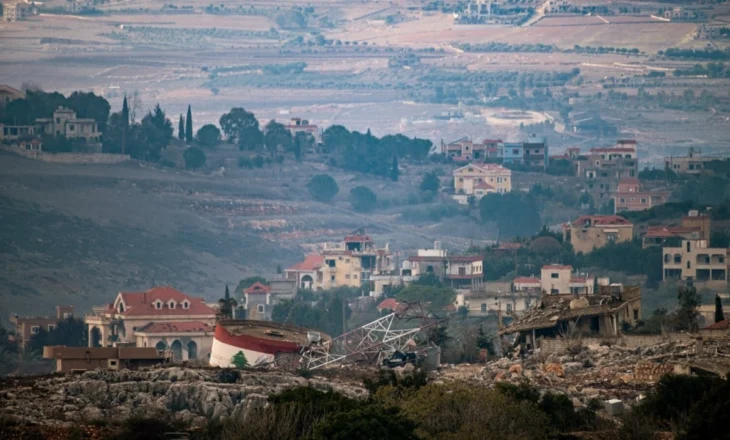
651 371
69 158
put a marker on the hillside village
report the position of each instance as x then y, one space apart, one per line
365 220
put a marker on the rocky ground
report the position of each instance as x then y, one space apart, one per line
194 394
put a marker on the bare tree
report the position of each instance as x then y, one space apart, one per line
135 105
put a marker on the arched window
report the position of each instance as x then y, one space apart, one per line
161 346
667 258
158 304
172 304
121 307
186 304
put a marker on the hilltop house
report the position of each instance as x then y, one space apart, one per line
480 180
603 168
260 299
694 226
65 123
535 152
299 125
692 163
594 231
630 197
695 260
8 94
17 11
464 150
27 326
351 262
460 271
162 317
558 279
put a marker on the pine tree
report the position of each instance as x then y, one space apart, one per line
394 170
719 314
181 129
189 126
278 269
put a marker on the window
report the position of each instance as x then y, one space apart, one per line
554 275
185 304
689 265
158 304
554 291
171 304
623 200
688 247
34 329
58 120
347 276
484 308
332 278
71 127
354 276
509 307
677 258
667 258
643 201
636 315
112 363
51 327
260 308
515 152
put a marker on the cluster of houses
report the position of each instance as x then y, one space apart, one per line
17 11
62 123
532 153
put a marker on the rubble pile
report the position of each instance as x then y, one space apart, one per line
591 372
193 394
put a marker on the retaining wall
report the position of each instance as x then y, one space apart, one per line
69 158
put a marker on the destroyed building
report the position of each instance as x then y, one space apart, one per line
601 314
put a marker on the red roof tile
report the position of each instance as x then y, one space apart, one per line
578 280
483 185
668 231
176 327
602 220
143 303
722 325
312 262
390 304
629 181
257 287
360 238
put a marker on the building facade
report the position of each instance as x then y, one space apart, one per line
695 260
16 11
299 125
692 163
27 326
182 340
560 280
352 263
630 197
603 168
8 94
479 180
512 153
65 123
161 312
79 359
535 152
694 226
590 232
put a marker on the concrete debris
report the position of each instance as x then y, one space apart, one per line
602 372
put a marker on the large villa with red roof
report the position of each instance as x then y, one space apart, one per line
161 317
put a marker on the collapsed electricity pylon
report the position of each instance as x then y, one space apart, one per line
371 342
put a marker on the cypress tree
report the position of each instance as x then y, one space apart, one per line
394 170
719 314
125 123
189 126
181 129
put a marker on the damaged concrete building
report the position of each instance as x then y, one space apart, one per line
601 314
